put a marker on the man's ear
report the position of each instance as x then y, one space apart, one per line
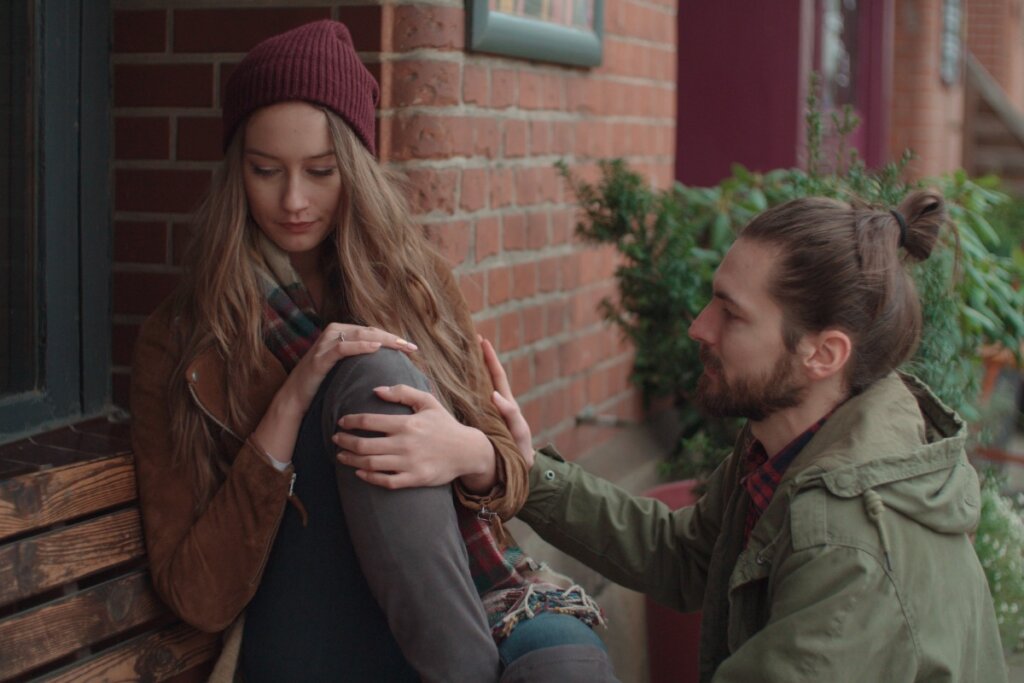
825 353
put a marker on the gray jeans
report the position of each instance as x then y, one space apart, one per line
408 541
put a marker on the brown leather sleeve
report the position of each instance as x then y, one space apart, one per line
509 495
205 565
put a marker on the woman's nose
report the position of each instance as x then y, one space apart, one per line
294 199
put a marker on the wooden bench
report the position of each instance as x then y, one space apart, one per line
75 597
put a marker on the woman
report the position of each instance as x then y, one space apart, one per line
303 253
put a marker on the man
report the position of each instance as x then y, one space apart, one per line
832 545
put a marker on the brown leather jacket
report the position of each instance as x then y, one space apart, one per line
206 564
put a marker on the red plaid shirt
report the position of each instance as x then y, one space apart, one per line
764 473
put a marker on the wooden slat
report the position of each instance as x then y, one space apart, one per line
38 563
150 657
35 500
59 628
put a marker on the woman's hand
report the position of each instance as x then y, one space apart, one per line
337 341
277 431
427 448
506 403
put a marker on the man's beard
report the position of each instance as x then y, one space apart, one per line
754 398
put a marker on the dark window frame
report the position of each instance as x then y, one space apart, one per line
71 54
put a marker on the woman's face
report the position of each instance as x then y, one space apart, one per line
292 182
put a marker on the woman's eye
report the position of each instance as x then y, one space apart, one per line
322 172
264 170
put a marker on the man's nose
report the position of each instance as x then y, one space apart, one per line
700 328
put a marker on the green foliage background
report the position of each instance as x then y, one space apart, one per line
672 240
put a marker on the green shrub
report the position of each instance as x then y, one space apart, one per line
671 241
999 542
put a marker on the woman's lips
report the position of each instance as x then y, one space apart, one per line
298 227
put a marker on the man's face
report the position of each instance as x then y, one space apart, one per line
748 372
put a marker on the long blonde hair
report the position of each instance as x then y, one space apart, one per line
387 275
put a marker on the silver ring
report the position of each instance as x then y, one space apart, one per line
341 336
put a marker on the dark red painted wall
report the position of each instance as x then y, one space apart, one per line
740 90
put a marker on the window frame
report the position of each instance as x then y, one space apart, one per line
71 86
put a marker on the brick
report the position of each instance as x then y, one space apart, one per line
475 88
140 242
225 71
552 89
423 82
510 331
163 85
518 369
473 195
582 95
141 293
452 239
432 190
488 329
529 186
427 26
537 230
524 280
548 279
531 94
503 88
488 237
540 137
142 137
181 237
200 138
365 23
499 285
533 324
513 231
486 137
173 191
421 136
122 343
514 134
545 365
533 411
570 269
472 286
236 30
139 31
563 137
502 187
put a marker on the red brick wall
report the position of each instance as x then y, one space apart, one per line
995 34
477 136
927 115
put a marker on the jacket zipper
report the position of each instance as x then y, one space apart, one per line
195 397
291 484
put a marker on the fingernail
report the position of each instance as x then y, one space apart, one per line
341 423
406 342
382 388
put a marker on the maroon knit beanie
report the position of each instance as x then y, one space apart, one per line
315 63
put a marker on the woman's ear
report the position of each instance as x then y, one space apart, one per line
824 354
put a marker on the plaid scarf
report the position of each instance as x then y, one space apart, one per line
512 586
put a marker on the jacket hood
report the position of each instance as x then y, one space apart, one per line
899 441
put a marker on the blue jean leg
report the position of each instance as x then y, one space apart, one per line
547 629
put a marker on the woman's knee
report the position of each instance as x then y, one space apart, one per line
348 388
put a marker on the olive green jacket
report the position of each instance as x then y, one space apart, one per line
860 569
